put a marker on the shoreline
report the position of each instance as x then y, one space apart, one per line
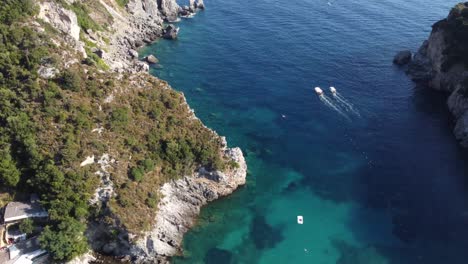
183 199
133 27
439 64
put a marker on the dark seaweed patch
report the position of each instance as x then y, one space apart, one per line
264 235
216 256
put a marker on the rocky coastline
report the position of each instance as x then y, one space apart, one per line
139 23
441 64
181 205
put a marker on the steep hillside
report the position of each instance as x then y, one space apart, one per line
111 150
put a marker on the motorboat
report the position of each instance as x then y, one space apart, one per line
318 91
300 219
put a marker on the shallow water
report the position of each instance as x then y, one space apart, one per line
387 184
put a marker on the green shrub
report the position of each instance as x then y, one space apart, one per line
152 202
70 80
233 164
89 61
94 59
148 165
84 20
122 3
14 10
123 201
27 226
119 118
9 173
65 240
137 173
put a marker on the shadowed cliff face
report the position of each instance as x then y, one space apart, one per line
442 64
455 29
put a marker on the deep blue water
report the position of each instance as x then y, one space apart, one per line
385 184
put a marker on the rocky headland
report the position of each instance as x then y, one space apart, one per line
115 47
441 63
181 205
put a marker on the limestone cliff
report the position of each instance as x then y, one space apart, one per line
181 205
114 49
441 64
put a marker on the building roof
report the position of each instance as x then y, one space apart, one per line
25 251
19 210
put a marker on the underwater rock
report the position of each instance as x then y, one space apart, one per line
264 236
216 256
402 58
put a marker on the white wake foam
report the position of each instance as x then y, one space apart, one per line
330 104
346 104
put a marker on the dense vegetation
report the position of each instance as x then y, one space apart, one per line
456 26
46 131
26 163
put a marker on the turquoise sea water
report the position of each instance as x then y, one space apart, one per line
383 183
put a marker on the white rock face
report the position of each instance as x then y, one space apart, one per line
142 22
63 20
109 99
83 259
192 5
88 161
47 72
169 8
143 7
200 4
106 189
181 205
98 130
60 18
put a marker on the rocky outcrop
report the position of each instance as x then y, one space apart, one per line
143 7
192 6
200 4
142 23
169 9
170 32
181 204
47 72
402 57
64 21
420 69
60 18
84 259
151 59
441 64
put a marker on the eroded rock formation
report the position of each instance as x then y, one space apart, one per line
442 64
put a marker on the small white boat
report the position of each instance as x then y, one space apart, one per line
300 219
333 90
318 91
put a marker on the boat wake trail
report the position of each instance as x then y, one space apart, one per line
345 104
326 101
